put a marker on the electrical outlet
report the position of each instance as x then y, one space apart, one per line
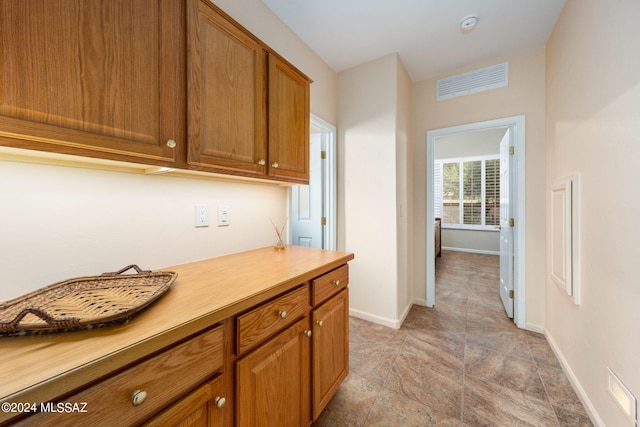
202 216
223 216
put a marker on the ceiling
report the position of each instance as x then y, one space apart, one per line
425 33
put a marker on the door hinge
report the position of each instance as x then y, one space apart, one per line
511 294
323 155
323 220
512 150
511 222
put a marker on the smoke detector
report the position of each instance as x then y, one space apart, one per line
468 23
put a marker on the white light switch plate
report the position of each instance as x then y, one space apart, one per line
224 219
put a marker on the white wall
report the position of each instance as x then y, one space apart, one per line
59 222
593 129
370 151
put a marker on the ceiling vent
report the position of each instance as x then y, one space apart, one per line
474 81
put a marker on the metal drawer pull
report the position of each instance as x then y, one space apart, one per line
308 333
282 314
220 402
138 397
262 162
275 164
171 143
319 323
336 282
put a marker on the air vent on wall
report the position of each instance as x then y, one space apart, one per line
474 81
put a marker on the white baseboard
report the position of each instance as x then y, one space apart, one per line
395 324
422 302
534 328
473 251
577 387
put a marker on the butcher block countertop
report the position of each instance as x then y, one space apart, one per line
204 293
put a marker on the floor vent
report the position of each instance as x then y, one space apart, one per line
474 81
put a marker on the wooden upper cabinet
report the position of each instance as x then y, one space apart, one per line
227 118
95 78
289 117
232 128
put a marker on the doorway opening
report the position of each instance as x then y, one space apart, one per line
516 130
312 208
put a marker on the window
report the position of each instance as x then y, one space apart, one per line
467 192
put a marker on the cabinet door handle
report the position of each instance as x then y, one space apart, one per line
262 162
220 401
336 282
282 314
319 323
171 143
274 165
308 333
138 397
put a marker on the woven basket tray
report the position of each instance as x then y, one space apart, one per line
84 302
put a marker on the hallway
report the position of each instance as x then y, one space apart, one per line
461 363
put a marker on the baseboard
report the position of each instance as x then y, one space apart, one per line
577 387
422 302
395 324
534 328
472 251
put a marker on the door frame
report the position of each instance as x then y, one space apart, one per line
517 123
329 183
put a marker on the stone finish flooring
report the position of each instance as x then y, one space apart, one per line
461 363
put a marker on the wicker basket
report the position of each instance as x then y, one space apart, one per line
84 302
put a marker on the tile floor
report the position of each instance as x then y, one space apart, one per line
461 363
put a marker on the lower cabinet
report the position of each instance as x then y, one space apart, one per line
203 407
288 379
272 382
277 363
330 356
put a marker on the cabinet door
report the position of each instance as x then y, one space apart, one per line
272 382
93 78
203 407
330 357
288 122
227 99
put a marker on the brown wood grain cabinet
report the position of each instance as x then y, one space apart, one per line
93 78
330 358
289 117
232 127
273 386
174 83
273 352
227 111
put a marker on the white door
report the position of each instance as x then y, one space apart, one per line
506 228
306 210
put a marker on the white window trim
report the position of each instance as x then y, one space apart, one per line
438 210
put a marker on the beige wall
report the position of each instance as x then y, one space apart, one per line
593 129
404 146
372 97
523 96
59 222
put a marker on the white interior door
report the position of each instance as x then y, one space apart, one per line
506 227
306 204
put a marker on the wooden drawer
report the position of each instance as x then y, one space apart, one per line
163 377
260 323
329 284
